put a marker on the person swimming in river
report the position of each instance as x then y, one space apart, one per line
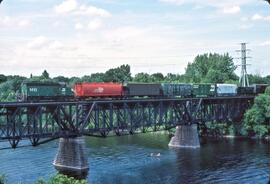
155 155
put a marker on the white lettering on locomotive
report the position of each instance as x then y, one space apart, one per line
33 89
98 90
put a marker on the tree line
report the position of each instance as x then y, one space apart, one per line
206 68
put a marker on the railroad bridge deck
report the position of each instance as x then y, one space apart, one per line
48 120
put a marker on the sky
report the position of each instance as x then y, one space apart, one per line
80 37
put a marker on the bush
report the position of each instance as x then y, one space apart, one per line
3 179
61 179
257 119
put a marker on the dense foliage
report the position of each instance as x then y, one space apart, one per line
61 179
55 179
257 119
211 68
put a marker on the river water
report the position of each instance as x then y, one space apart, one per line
128 160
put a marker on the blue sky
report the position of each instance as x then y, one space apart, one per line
80 37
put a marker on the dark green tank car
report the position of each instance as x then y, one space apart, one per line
44 91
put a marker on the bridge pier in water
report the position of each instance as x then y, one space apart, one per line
71 158
186 136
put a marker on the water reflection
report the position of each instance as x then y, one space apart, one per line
128 160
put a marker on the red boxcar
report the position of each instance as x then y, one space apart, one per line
98 89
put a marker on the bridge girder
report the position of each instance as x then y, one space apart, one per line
50 120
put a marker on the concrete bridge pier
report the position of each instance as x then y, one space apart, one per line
71 159
186 136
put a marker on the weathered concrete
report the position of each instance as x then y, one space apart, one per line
71 158
185 136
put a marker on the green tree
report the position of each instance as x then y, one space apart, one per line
157 77
86 78
97 77
61 79
45 75
174 78
3 78
214 68
119 74
73 80
60 179
257 79
142 77
9 88
257 119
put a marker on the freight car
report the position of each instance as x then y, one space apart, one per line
97 89
226 89
38 91
259 88
245 90
142 90
203 90
176 90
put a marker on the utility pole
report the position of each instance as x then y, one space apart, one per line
243 81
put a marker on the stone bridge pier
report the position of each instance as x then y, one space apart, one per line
71 158
186 136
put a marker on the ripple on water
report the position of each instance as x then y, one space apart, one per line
128 160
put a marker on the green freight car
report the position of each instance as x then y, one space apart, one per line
44 91
204 90
176 90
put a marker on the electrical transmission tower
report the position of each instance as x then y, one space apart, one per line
243 81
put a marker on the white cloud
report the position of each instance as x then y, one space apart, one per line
214 3
92 11
231 10
244 19
73 7
78 26
66 6
266 43
7 21
178 2
38 42
55 45
256 17
124 33
95 24
42 42
225 6
245 26
24 23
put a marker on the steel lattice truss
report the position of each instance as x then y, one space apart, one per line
49 120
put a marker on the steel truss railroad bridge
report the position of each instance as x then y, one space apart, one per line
44 121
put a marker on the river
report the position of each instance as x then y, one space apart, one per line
128 160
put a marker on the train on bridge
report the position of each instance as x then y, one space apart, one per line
55 91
